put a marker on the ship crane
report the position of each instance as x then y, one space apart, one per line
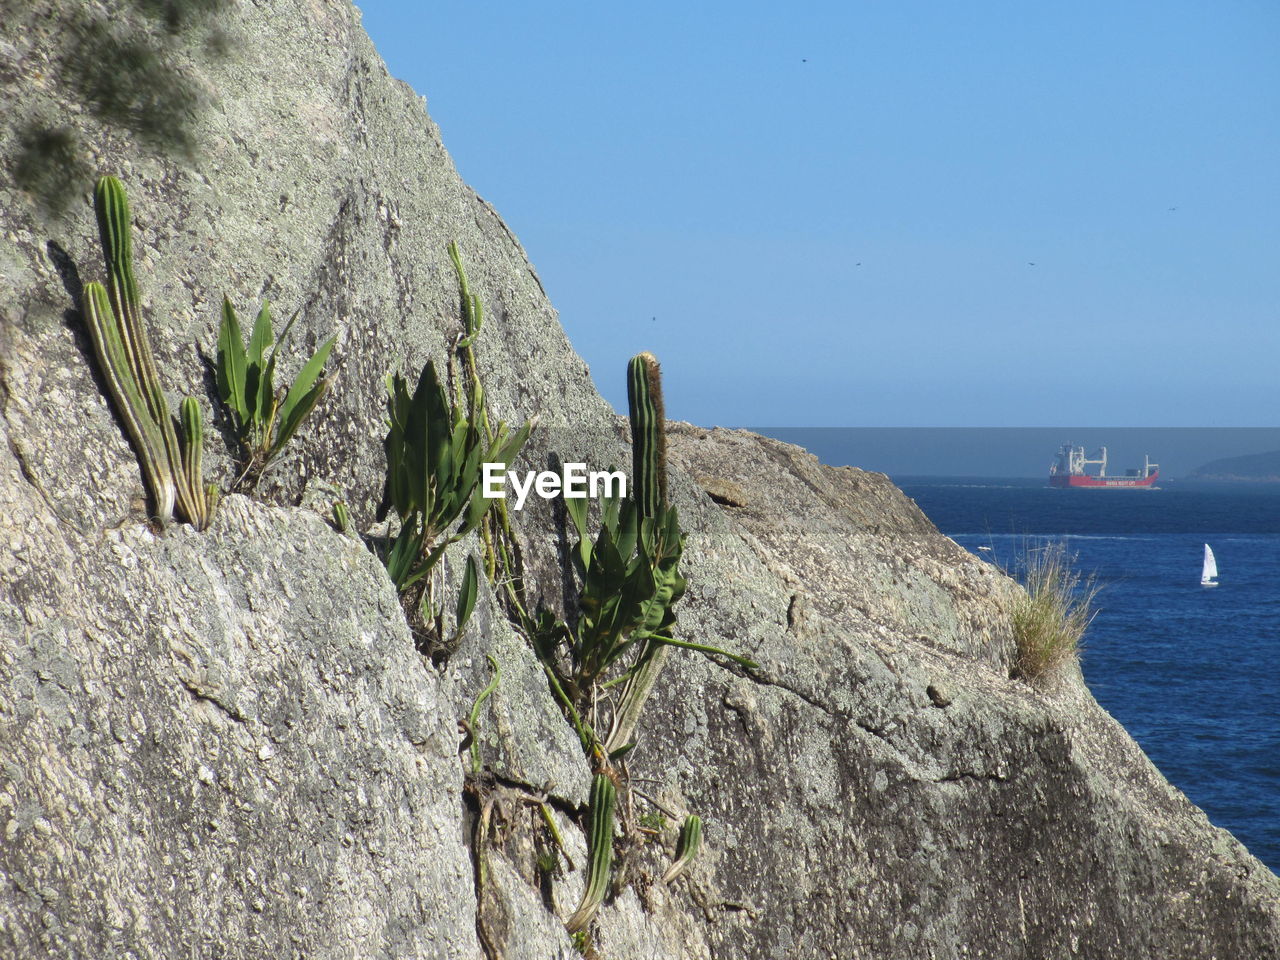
1100 458
1071 462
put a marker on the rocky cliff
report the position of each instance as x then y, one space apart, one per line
225 744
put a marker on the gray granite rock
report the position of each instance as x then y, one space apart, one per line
219 745
225 744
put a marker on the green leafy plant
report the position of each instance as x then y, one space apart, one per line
474 720
435 447
653 820
1050 619
687 847
341 516
495 528
600 851
434 452
172 468
467 595
264 419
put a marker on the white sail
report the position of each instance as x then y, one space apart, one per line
1210 572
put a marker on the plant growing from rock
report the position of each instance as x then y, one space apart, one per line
1050 620
435 446
434 452
341 517
264 419
495 528
172 468
600 850
473 721
687 847
630 584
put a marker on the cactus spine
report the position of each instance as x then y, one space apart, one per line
648 434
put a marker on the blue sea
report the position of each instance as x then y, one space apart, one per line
1193 673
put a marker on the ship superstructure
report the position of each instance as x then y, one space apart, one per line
1071 469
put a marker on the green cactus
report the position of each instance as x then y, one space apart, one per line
114 315
661 541
630 579
687 847
192 467
603 797
648 434
341 516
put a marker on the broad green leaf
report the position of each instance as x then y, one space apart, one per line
304 394
258 377
231 363
289 424
467 594
622 751
404 551
577 510
307 377
265 414
261 338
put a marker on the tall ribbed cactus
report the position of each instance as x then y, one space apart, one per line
199 509
603 797
115 324
648 434
649 490
631 579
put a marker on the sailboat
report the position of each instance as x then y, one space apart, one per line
1209 574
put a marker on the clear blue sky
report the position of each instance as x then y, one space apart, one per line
832 209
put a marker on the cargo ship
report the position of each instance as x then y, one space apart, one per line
1071 471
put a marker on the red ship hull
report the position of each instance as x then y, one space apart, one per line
1103 483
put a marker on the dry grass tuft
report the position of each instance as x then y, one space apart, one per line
1050 621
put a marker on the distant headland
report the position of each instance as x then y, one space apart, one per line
1254 468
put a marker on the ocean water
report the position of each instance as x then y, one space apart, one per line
1193 673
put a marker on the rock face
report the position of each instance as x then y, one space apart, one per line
225 744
